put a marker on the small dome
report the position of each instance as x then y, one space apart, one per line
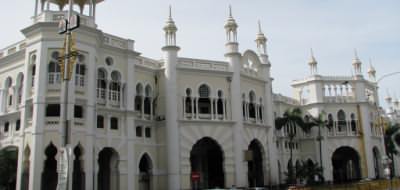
371 70
260 37
312 61
388 99
170 24
230 23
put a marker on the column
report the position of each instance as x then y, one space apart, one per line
192 106
197 107
212 108
184 107
257 117
142 111
2 100
151 108
223 109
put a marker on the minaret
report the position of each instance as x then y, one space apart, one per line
171 113
313 64
233 57
371 72
356 64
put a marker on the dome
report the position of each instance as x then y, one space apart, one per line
230 23
371 70
170 24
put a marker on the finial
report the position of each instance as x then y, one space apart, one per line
170 11
312 52
230 11
259 27
312 61
355 53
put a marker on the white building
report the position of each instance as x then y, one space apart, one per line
139 123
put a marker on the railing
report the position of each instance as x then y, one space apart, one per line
203 64
339 99
12 49
56 16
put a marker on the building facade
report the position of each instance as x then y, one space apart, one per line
140 123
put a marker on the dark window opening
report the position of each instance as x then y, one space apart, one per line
188 105
17 125
252 110
53 110
220 105
147 132
147 105
139 131
114 123
138 103
6 127
78 112
204 106
100 122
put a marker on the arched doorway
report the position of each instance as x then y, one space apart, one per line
145 166
8 167
255 165
108 176
207 158
346 165
377 161
25 169
78 174
49 175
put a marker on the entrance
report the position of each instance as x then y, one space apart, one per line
255 165
207 159
145 173
346 165
50 175
8 167
108 176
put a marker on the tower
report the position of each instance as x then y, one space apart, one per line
313 64
234 59
356 64
171 115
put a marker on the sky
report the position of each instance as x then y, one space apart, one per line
332 28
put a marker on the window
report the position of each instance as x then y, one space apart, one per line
78 112
204 100
109 61
138 97
17 125
139 131
188 101
53 110
101 83
147 100
341 121
20 87
54 76
6 127
80 72
330 121
252 105
10 99
115 87
33 72
353 123
100 122
220 103
114 123
147 132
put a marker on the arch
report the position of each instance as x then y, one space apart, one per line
341 121
147 100
145 172
108 174
101 83
204 101
115 86
78 174
207 158
53 72
377 161
8 83
49 175
255 164
346 165
9 157
250 58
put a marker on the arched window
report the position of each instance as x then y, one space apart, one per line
330 121
353 122
147 100
114 123
20 85
204 100
101 83
8 91
54 76
80 69
188 101
138 97
115 86
260 110
100 121
252 105
220 103
33 70
341 120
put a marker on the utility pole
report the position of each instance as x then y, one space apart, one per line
66 62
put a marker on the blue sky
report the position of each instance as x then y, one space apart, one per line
333 28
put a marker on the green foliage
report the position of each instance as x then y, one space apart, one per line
389 141
8 168
307 171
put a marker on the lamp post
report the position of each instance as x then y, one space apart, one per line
387 162
66 61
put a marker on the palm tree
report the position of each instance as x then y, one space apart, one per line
390 143
318 122
307 171
8 169
291 119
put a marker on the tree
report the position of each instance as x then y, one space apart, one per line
8 169
291 119
319 122
307 171
391 151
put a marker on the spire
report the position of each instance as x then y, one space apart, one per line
313 63
231 27
261 41
170 30
371 71
356 63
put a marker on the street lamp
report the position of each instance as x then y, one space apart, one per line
387 162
